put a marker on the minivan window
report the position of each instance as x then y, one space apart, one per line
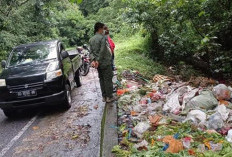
34 53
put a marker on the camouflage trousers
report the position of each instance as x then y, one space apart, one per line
105 75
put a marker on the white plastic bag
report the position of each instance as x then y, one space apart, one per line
188 96
173 104
229 136
140 128
223 112
196 116
215 121
142 144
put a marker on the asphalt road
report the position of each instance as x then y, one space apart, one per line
10 128
54 132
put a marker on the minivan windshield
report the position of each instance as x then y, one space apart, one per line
31 54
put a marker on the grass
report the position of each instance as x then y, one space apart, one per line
102 131
70 48
130 55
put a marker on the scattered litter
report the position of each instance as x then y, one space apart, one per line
142 145
205 101
222 92
224 130
122 91
229 136
161 78
215 121
134 113
215 147
188 96
140 128
173 104
201 148
164 116
187 142
223 112
191 152
202 81
196 116
175 146
155 119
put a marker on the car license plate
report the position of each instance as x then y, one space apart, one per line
27 93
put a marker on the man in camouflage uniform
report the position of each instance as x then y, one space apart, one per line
101 57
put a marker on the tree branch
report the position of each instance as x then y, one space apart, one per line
22 3
190 18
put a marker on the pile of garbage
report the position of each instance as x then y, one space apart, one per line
163 117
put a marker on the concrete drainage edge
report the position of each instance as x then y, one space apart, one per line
109 134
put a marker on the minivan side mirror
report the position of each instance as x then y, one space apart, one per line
3 64
64 54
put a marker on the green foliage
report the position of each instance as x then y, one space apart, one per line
112 16
130 55
31 21
193 31
76 1
92 6
197 32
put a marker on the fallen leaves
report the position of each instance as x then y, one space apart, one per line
35 127
75 137
81 111
95 107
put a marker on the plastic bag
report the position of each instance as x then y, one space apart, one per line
131 99
175 146
201 148
205 100
188 96
122 91
124 100
141 145
223 112
222 92
215 121
173 104
187 142
215 147
229 136
196 116
155 106
140 128
137 108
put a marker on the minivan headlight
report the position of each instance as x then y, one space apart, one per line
52 66
2 82
53 74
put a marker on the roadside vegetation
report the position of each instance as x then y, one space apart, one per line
131 53
196 33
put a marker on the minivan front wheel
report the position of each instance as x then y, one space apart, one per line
10 113
68 97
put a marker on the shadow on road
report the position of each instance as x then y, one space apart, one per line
27 114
